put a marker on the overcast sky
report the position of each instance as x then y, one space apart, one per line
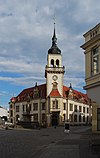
26 29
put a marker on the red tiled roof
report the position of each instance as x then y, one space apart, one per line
55 93
65 91
77 95
30 91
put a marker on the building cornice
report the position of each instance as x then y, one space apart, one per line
91 42
92 85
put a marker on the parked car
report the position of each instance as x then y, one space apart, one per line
8 125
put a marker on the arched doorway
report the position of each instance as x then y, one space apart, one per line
55 118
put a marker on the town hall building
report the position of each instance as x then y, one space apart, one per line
51 103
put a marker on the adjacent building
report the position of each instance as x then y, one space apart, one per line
92 75
4 114
51 103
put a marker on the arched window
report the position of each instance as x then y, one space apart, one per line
83 118
79 118
17 117
57 63
52 62
87 118
75 118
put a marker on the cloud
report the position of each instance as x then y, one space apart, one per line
77 83
26 29
3 93
23 80
87 11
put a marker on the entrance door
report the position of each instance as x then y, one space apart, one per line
98 119
55 119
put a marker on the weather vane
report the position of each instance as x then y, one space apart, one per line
54 19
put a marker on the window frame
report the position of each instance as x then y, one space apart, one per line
94 61
17 108
71 107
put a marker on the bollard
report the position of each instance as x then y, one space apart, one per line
66 127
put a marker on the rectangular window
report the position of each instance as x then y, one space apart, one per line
87 110
71 117
75 118
80 109
71 107
64 106
17 108
23 108
43 106
30 107
35 116
11 113
98 119
43 117
64 117
80 118
95 61
75 108
55 104
87 119
35 106
83 109
83 118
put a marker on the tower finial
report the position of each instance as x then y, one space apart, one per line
54 18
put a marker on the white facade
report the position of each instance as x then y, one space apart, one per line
3 112
91 49
4 115
82 113
78 110
21 110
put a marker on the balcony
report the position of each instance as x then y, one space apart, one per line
26 113
55 69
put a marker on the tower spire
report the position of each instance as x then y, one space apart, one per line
54 48
54 38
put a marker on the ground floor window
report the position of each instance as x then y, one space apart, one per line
79 118
35 116
43 117
75 118
64 117
11 113
83 118
17 118
87 118
98 119
11 120
71 117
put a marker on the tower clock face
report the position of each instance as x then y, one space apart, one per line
54 77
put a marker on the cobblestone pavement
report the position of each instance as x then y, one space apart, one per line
48 143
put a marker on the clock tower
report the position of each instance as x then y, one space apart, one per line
54 70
